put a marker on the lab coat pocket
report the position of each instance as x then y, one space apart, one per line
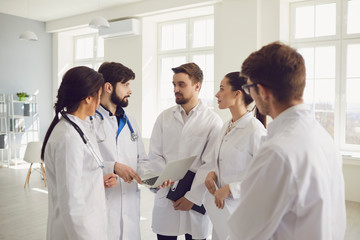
235 168
194 146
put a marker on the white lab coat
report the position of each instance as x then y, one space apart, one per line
77 208
123 201
234 152
171 139
294 188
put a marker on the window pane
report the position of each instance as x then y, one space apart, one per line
179 36
309 92
325 62
166 77
166 37
326 119
353 60
324 97
203 33
100 47
308 55
304 22
206 63
173 36
353 17
352 128
325 20
84 48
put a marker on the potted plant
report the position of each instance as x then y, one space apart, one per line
22 95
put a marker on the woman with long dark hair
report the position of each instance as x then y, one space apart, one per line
238 141
73 163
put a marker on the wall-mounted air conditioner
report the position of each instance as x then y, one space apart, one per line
121 28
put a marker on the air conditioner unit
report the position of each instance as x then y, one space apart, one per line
122 28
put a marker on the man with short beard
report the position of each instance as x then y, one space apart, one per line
185 130
122 149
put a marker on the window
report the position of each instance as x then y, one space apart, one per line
327 34
182 41
89 51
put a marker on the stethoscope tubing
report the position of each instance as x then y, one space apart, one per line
133 135
85 139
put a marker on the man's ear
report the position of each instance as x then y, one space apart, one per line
108 87
264 92
198 86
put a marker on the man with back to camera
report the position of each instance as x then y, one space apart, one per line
185 130
294 188
121 146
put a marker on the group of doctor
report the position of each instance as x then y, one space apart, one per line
286 183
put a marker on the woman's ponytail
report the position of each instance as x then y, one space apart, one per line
48 133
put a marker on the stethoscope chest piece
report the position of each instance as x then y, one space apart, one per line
134 137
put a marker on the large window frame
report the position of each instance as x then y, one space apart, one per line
189 52
340 40
97 49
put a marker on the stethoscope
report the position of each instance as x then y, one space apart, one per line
85 139
101 126
133 135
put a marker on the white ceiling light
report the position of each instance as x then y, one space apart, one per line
28 35
99 22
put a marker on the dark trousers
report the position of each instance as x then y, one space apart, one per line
187 237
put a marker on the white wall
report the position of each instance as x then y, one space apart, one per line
25 66
351 170
235 38
128 51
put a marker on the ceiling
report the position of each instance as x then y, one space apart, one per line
47 10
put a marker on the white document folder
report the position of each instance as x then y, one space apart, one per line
217 216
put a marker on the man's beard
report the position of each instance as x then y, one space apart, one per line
119 102
182 100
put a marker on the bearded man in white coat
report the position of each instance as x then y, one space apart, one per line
122 149
185 130
294 188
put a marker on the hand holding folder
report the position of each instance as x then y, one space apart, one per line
183 186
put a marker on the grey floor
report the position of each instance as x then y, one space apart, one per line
23 212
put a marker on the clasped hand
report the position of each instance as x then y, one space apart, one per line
110 180
221 194
183 204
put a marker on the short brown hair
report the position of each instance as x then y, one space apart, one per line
114 72
191 69
278 67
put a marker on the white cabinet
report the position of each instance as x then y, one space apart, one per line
4 146
23 119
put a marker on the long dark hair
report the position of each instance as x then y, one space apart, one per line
77 84
236 81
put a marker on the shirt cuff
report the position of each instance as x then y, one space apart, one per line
194 197
235 189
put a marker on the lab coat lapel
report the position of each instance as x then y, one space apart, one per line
177 115
109 119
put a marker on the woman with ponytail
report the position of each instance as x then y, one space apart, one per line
77 207
238 141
